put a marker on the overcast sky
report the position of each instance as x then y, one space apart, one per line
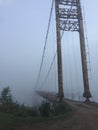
23 25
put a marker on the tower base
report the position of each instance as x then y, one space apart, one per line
61 97
87 95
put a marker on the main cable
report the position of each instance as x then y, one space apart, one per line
51 10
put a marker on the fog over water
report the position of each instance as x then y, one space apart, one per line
23 25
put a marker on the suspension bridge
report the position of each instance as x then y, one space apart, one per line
65 65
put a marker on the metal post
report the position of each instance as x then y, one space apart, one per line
59 52
86 93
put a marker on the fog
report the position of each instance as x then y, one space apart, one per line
23 25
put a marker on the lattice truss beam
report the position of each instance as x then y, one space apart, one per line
69 15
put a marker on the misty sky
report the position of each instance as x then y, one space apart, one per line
23 25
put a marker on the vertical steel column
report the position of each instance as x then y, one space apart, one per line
86 93
59 52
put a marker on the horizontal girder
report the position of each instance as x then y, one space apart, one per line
69 15
68 2
69 25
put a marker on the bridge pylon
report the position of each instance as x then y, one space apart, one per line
69 18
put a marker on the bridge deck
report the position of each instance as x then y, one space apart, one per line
54 98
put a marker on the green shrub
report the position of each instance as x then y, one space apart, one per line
47 109
7 104
33 112
25 111
61 108
44 109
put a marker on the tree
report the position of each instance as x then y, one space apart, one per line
6 99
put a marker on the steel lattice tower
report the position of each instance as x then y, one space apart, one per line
69 18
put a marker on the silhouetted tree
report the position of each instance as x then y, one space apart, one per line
6 99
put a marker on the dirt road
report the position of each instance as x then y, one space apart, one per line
85 117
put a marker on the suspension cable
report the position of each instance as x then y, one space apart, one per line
49 68
45 48
51 10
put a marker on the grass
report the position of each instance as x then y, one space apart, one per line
5 120
10 122
20 115
14 121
